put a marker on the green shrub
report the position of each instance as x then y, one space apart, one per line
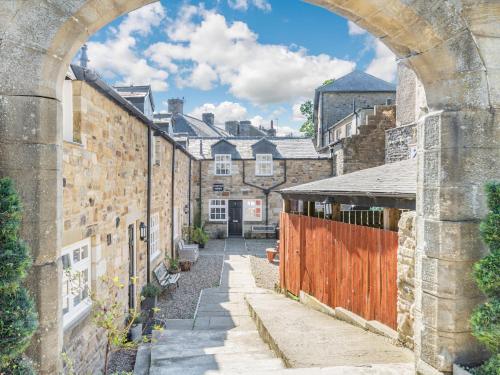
485 323
150 291
490 367
487 274
18 318
485 320
199 236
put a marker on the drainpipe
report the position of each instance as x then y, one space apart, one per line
148 207
200 203
172 216
189 193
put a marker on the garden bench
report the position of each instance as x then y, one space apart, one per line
165 278
188 252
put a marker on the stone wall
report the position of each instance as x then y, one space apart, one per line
406 278
298 172
105 191
399 142
367 148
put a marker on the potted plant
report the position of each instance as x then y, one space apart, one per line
173 265
149 296
200 237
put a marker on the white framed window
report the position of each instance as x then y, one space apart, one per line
157 150
222 165
264 165
348 130
338 134
154 233
218 210
76 280
253 210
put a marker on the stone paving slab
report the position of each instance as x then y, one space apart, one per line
307 338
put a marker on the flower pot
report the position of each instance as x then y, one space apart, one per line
136 332
185 266
201 245
271 254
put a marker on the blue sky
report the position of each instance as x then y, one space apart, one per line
241 59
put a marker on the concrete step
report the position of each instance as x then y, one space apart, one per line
306 338
143 360
179 324
181 344
232 363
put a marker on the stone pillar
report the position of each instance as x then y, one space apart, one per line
458 152
30 153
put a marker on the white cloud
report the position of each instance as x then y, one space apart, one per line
225 111
260 73
203 77
244 4
296 114
355 29
117 56
384 64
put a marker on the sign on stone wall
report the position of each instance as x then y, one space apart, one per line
218 187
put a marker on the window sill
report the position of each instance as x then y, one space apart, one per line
154 256
222 175
79 318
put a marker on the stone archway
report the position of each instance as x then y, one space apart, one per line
451 45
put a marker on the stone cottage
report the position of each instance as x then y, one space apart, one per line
336 100
124 181
235 184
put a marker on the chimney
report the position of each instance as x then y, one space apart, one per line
272 124
84 59
208 118
233 127
176 106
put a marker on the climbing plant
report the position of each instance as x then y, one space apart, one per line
18 318
485 319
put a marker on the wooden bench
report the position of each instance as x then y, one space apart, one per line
264 229
165 278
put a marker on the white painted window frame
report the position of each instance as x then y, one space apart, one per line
263 162
223 162
154 244
69 279
220 204
250 210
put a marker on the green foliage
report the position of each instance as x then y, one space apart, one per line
173 264
328 81
485 320
150 291
487 274
18 318
490 367
199 236
307 110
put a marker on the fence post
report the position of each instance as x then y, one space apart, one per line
336 212
286 205
391 218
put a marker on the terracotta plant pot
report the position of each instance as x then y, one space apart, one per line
271 254
185 266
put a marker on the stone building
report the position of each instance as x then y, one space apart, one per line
246 129
359 139
238 177
110 190
139 96
335 101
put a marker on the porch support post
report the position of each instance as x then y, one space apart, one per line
310 208
336 211
391 218
286 205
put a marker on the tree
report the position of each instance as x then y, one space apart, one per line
307 127
18 318
485 320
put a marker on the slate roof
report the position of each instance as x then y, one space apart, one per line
194 127
287 147
396 180
358 81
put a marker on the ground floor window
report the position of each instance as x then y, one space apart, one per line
253 210
218 210
76 280
155 236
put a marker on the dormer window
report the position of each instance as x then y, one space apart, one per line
222 165
264 165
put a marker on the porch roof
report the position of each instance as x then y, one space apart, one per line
389 185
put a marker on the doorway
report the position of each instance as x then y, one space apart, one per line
235 219
131 266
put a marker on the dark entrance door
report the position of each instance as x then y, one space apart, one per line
131 266
235 224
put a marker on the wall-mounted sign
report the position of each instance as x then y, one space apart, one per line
218 187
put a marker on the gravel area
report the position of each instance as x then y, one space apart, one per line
181 303
122 361
266 274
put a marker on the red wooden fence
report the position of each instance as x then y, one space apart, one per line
342 265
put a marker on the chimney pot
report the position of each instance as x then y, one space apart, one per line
176 106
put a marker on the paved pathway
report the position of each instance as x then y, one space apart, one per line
223 339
